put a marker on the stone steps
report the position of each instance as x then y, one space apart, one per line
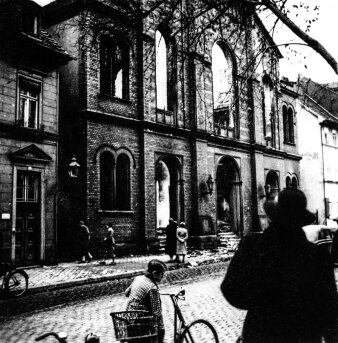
228 240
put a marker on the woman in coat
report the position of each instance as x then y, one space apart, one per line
285 282
181 244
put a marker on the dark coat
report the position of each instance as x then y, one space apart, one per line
170 245
288 287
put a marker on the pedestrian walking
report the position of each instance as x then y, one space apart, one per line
84 243
143 294
285 282
170 244
110 244
181 242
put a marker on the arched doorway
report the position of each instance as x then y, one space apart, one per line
229 208
169 191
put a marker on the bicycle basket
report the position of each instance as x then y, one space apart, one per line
130 325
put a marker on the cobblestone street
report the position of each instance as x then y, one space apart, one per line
203 300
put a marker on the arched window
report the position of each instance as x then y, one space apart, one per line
161 71
223 90
288 182
114 182
107 181
294 183
123 182
114 67
288 125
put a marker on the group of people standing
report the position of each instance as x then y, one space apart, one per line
176 241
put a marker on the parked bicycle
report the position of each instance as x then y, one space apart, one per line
198 331
15 281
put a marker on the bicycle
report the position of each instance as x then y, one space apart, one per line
62 337
198 331
15 281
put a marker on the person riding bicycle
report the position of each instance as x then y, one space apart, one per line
143 294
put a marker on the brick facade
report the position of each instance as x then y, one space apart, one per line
183 138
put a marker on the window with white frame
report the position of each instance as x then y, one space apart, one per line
334 138
27 187
28 105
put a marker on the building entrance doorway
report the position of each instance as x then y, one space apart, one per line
229 213
169 191
28 207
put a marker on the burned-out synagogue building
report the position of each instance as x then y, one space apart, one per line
164 113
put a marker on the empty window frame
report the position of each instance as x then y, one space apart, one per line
114 182
161 72
114 68
28 105
268 109
223 90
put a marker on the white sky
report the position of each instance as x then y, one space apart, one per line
325 30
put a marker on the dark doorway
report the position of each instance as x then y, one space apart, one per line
27 237
169 190
229 214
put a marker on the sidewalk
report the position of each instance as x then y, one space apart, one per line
72 273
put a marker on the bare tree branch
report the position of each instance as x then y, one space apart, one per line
314 44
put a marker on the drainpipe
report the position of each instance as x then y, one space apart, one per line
323 168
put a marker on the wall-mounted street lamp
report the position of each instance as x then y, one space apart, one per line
73 168
210 183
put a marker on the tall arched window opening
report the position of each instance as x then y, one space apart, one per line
269 110
161 71
123 182
107 181
223 90
291 131
114 68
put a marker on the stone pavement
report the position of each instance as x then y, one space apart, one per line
51 286
73 273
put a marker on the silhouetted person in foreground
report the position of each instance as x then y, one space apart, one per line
285 282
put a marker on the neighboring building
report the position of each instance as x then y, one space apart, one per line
29 62
317 137
163 125
329 128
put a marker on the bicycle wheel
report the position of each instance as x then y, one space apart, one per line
16 283
199 331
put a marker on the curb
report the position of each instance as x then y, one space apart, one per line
124 275
66 293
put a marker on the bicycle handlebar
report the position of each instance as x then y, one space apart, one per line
61 337
181 293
